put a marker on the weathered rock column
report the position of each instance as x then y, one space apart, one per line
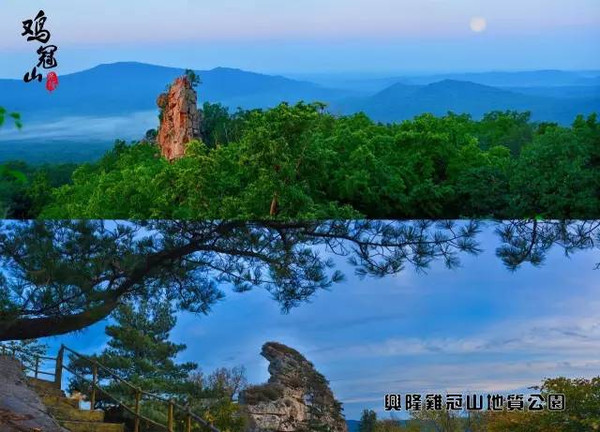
296 398
179 120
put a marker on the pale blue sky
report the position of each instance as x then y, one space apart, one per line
480 328
310 36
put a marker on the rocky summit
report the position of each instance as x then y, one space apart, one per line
296 398
21 408
179 118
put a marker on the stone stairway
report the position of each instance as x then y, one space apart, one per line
67 412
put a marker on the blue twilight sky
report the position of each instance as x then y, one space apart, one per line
311 36
480 328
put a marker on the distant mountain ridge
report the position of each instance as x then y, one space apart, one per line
129 86
538 78
402 101
126 87
517 79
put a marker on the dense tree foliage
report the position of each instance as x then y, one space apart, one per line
299 162
213 397
582 410
26 189
219 127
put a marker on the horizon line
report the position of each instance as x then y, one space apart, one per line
367 73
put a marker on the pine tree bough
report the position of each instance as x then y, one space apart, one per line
62 276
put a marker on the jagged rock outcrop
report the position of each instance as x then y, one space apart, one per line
296 398
21 409
179 118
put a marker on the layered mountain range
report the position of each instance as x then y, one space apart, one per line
118 88
118 101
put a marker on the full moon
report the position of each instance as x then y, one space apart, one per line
478 24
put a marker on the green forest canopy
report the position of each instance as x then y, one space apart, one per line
299 162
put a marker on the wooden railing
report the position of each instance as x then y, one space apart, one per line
37 359
135 410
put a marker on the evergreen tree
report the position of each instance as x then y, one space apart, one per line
193 78
140 353
368 421
26 351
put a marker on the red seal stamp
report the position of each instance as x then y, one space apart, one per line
51 81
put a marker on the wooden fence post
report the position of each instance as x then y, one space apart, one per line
94 382
188 424
138 397
37 366
59 367
170 417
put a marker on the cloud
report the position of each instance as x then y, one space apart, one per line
574 335
130 126
506 357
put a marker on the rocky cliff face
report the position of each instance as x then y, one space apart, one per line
296 398
179 119
20 406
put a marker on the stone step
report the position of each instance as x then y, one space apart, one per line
60 400
38 382
68 413
45 388
82 426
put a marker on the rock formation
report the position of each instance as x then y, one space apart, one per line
296 398
21 409
179 118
